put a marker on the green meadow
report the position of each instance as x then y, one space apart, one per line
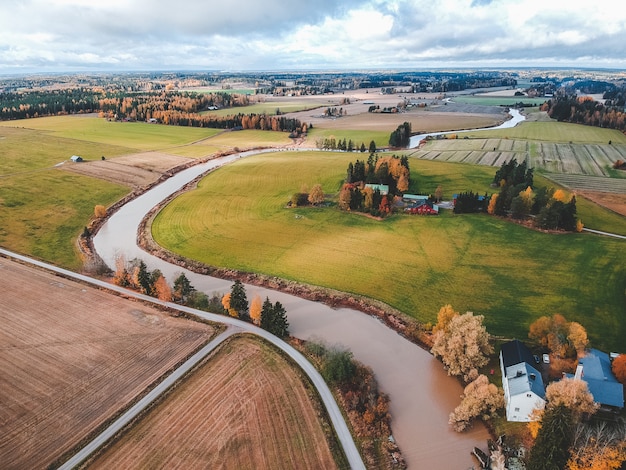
553 132
237 218
140 136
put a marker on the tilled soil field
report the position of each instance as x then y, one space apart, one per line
247 407
134 170
72 357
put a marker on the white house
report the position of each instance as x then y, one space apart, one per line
522 382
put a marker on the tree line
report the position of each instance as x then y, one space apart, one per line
585 110
166 107
267 315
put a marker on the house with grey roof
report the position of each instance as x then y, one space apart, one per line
595 369
523 385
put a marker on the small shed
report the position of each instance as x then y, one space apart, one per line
76 158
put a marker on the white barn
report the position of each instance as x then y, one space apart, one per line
522 382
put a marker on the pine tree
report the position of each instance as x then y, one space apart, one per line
274 319
551 449
239 300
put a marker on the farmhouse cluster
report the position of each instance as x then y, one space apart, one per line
524 380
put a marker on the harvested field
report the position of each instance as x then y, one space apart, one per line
246 407
612 201
72 358
590 183
553 157
135 170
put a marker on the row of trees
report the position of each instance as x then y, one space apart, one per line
332 143
269 316
585 110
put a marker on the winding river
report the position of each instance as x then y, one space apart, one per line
422 394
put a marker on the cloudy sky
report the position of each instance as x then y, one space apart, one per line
97 35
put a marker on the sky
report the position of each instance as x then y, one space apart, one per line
251 35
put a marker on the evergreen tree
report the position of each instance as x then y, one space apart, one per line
274 319
372 148
362 149
182 288
143 278
239 300
551 449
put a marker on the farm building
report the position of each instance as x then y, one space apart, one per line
522 383
423 207
76 158
595 369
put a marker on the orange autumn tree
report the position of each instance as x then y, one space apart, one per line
255 310
162 289
619 368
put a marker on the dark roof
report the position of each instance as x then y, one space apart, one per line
602 384
515 352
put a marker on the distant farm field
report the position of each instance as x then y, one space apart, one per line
237 218
491 100
270 108
246 407
551 157
75 356
134 135
553 131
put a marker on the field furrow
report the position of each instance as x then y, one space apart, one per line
246 407
73 357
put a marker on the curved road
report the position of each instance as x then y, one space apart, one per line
234 326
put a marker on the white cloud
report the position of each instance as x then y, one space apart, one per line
281 34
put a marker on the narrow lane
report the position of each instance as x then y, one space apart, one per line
235 325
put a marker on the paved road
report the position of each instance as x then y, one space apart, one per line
341 429
598 232
142 404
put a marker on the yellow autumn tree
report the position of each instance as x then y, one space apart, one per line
444 317
492 204
100 211
560 195
162 289
255 310
316 196
226 304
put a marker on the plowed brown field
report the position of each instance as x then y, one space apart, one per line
71 357
135 170
247 407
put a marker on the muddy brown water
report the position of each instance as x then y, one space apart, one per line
422 395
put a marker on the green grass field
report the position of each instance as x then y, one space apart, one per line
237 218
135 135
554 132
